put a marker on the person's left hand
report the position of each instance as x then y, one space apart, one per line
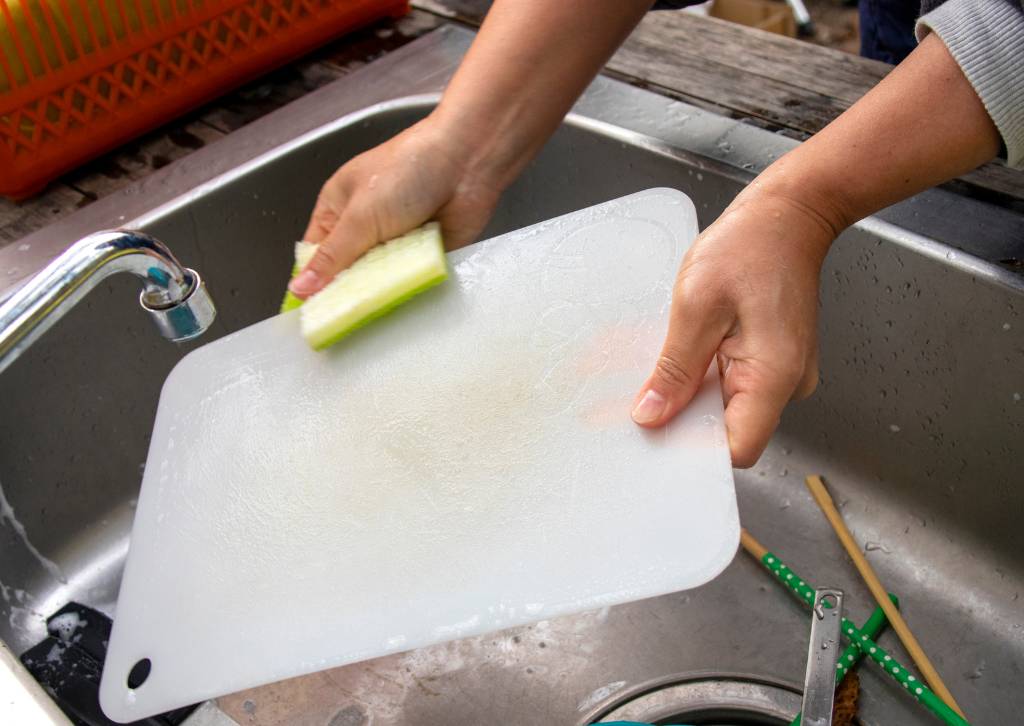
748 291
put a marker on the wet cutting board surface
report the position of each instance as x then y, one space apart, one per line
464 465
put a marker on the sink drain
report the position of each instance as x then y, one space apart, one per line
703 699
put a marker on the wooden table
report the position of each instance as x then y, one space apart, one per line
783 84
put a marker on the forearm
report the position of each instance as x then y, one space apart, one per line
528 64
922 125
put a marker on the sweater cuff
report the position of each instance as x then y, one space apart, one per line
986 38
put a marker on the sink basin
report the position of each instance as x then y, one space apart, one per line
917 425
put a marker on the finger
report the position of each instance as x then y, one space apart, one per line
759 395
353 234
330 202
723 369
321 222
809 381
695 331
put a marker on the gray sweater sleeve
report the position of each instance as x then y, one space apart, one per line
986 38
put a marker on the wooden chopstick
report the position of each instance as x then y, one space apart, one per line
752 546
931 676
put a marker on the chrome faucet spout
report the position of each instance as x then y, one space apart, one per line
174 296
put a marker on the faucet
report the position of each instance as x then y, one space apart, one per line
174 296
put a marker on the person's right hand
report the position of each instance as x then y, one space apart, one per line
425 173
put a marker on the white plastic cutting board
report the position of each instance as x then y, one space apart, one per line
466 464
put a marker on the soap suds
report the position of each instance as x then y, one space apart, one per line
66 625
7 513
599 694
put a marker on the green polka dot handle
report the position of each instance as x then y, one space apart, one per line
867 646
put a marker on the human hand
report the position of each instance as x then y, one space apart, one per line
424 173
748 292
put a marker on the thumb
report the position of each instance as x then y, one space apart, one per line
352 235
694 334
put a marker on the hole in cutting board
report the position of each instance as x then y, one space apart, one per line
139 673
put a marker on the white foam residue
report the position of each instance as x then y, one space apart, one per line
20 595
19 618
66 625
7 512
599 694
456 629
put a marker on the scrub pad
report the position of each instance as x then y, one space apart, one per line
383 278
303 254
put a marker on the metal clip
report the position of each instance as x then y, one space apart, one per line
822 657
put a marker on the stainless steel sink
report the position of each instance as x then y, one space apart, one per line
918 422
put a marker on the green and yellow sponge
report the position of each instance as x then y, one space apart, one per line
382 279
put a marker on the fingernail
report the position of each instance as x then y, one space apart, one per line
650 408
305 283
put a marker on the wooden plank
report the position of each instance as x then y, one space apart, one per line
796 85
17 220
723 65
762 55
368 45
813 67
651 57
327 64
278 88
141 157
790 85
994 182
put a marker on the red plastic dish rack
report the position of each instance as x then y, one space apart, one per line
79 77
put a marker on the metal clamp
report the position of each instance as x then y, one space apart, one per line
822 657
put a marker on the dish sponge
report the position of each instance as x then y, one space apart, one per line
383 278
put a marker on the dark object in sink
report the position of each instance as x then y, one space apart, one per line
68 664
